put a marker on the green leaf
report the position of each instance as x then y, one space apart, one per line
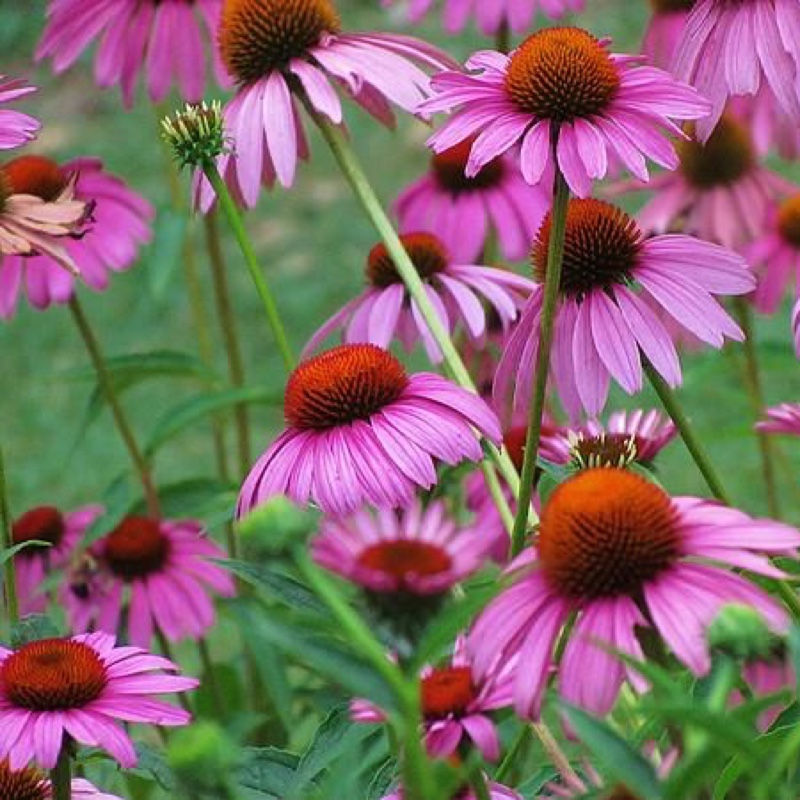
188 413
151 765
268 770
118 502
10 552
166 252
620 761
196 497
31 628
382 780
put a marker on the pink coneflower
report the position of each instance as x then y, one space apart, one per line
665 29
385 310
454 707
159 572
121 224
38 210
602 105
619 553
164 39
34 563
610 277
81 687
734 48
776 254
361 430
279 49
720 192
496 792
796 325
16 128
492 15
635 436
784 418
29 783
463 211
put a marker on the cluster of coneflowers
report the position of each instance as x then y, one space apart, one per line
497 454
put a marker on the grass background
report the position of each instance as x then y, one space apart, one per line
312 241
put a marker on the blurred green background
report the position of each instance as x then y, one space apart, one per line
312 241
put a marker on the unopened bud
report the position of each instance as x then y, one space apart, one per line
196 134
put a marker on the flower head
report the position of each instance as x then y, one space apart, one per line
28 783
279 50
160 571
784 418
665 29
163 40
196 134
385 311
16 128
82 688
610 277
562 85
620 553
361 430
121 221
463 211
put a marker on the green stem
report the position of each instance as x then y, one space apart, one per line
552 283
61 775
210 677
556 754
246 246
498 495
693 444
502 39
10 582
509 760
227 322
123 426
477 781
166 649
356 177
756 394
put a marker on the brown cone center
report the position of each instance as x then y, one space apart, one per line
789 220
448 168
44 523
725 158
405 559
22 784
427 254
135 548
35 175
447 692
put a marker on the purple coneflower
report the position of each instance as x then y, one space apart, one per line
16 128
33 564
603 106
160 572
732 48
361 430
163 38
81 688
784 418
496 792
664 30
28 783
277 49
619 553
463 211
385 311
492 15
454 707
120 225
611 275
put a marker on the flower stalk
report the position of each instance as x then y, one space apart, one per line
61 774
10 577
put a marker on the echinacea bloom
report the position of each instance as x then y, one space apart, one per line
38 211
664 30
784 418
279 49
165 40
562 82
629 436
28 783
619 553
796 325
81 688
33 564
16 128
385 311
775 254
732 48
463 211
720 192
492 15
611 277
455 707
361 430
121 222
160 572
496 792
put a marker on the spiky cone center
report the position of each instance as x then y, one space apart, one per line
196 134
53 675
605 532
449 166
447 692
34 175
562 74
427 254
724 159
604 450
44 524
348 383
601 247
257 37
671 6
404 561
22 784
789 221
135 548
